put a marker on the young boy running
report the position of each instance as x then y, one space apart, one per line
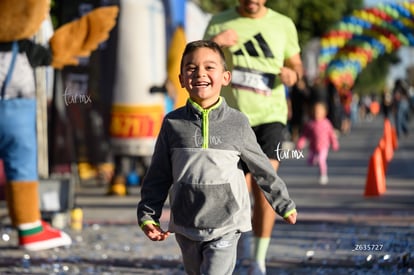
197 162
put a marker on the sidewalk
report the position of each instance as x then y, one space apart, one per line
336 223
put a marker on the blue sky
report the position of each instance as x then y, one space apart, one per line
375 2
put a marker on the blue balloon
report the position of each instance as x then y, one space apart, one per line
328 50
357 21
401 10
408 32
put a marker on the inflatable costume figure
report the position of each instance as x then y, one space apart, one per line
20 21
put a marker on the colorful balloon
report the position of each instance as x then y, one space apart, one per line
357 39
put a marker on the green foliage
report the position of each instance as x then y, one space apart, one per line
53 14
214 6
372 80
314 17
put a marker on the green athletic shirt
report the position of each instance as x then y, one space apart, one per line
263 45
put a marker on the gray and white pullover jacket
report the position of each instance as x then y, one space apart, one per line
197 163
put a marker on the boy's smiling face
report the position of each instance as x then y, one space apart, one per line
202 75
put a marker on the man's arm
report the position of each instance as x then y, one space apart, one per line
226 38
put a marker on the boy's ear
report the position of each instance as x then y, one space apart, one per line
181 81
226 78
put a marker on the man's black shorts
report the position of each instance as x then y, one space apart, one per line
269 136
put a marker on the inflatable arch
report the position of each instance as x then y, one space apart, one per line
364 35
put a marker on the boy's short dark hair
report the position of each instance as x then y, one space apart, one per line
194 45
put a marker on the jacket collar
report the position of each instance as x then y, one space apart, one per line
200 109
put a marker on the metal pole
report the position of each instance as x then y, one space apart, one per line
43 85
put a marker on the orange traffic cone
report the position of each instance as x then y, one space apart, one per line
387 124
387 136
375 181
385 153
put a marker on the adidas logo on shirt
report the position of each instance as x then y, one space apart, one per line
255 47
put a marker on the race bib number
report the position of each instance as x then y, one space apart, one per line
258 82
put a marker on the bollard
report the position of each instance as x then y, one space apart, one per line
76 219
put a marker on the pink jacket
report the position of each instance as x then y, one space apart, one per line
320 135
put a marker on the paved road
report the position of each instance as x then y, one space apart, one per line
336 223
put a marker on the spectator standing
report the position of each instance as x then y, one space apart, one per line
401 107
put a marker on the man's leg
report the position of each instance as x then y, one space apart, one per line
270 136
263 220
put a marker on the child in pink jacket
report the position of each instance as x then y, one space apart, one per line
320 135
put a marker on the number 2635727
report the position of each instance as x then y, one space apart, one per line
367 247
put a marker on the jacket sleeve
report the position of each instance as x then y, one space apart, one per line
157 182
270 183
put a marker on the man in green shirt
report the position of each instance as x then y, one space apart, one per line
262 50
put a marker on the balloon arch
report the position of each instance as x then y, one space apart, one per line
363 36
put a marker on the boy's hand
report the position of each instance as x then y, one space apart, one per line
155 233
292 218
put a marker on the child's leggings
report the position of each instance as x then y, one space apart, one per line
320 159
